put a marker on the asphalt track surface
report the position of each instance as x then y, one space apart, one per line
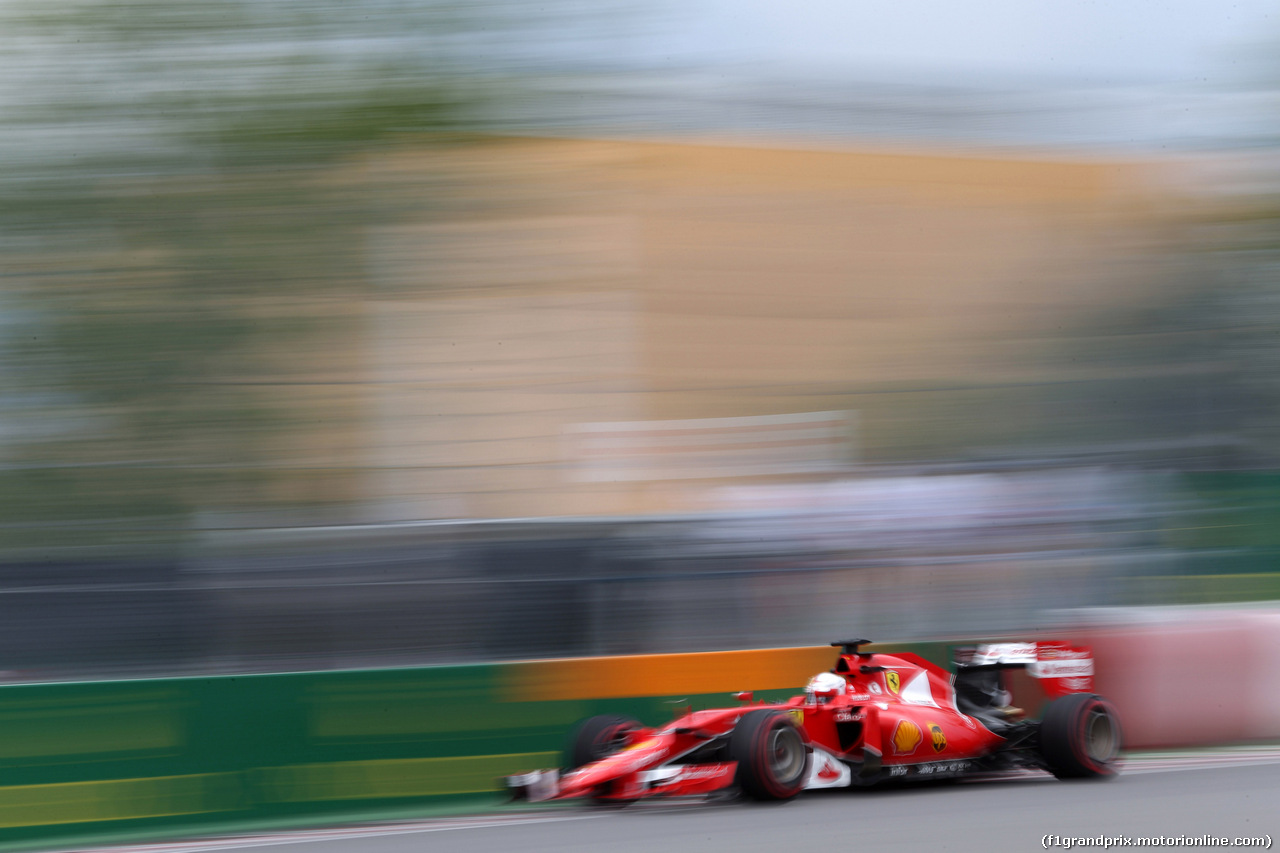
1227 796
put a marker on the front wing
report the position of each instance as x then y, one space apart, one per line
671 780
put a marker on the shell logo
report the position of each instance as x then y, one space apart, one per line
906 737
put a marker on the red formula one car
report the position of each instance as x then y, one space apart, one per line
874 717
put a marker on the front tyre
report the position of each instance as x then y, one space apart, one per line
597 737
773 755
1080 737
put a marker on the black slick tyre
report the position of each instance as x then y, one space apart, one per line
773 755
596 737
1080 737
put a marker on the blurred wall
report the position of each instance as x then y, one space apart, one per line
625 283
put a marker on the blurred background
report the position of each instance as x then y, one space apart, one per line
365 332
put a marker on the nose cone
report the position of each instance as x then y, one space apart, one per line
641 756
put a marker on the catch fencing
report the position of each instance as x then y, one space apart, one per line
288 599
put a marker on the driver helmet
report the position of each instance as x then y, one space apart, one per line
824 687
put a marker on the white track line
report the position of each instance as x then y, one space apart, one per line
1142 764
341 834
1132 766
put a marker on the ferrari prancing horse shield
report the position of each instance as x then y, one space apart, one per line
893 681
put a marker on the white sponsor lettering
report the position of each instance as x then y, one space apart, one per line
702 771
1059 668
660 774
935 768
1005 653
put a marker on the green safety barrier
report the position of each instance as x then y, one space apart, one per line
96 757
162 751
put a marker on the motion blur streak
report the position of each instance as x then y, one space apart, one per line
342 334
1192 803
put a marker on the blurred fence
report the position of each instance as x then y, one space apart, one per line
898 557
512 599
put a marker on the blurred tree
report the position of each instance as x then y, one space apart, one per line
171 220
1189 378
1243 240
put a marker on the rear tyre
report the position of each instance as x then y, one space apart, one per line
773 755
597 737
1080 737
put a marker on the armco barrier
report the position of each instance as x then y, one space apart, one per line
99 757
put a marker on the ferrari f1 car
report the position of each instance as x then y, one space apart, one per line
873 718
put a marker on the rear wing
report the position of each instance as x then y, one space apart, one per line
1060 667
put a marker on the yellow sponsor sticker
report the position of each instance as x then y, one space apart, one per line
938 737
797 714
893 681
906 737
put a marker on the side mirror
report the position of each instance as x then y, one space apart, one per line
744 696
